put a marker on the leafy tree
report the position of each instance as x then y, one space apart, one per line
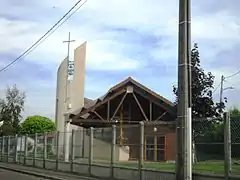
234 112
37 124
10 110
202 86
203 105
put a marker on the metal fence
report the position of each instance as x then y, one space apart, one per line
234 150
142 148
208 145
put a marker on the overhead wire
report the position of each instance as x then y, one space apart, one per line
236 73
216 88
59 23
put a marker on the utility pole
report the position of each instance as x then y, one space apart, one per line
70 67
184 130
67 99
221 89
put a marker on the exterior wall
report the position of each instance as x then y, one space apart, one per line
170 147
134 134
78 82
75 92
101 148
60 98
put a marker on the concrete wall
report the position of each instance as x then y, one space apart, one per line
75 91
78 82
101 148
60 97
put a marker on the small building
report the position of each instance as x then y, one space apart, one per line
125 105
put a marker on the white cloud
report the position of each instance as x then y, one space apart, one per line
214 32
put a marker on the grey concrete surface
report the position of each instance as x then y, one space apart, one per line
10 175
38 173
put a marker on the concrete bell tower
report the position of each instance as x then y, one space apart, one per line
69 93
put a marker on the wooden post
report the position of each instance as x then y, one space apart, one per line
20 153
108 111
3 148
119 105
16 149
90 156
8 147
72 150
44 150
25 148
113 150
140 107
35 150
227 145
150 111
57 150
83 142
141 152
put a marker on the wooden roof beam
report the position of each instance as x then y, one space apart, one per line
100 103
163 105
140 107
119 105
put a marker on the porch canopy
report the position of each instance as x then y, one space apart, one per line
128 102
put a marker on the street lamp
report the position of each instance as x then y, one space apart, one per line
223 89
228 88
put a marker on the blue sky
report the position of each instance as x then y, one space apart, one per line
125 38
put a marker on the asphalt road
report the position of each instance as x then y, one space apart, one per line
10 175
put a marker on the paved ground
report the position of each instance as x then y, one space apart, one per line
10 175
15 175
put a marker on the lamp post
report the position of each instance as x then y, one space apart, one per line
223 89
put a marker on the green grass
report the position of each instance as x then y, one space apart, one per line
205 167
200 167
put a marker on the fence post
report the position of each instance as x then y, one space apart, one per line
20 154
141 152
16 149
83 142
35 150
227 145
57 150
113 150
90 155
3 145
8 147
25 148
72 149
44 150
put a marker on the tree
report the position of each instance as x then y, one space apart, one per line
203 105
10 110
234 112
37 124
202 87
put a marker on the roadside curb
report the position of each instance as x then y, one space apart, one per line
31 173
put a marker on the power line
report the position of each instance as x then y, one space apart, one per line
46 35
236 73
216 88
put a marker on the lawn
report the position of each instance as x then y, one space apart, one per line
200 167
206 167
